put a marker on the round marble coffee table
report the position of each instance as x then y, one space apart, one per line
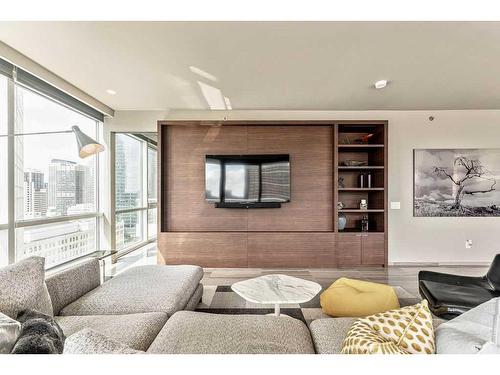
277 290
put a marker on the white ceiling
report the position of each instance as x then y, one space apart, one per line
271 65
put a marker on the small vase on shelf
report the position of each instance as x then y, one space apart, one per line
342 221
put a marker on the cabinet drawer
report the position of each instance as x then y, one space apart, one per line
373 249
348 249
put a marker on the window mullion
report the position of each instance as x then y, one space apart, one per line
11 110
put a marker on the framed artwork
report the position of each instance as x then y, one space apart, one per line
456 182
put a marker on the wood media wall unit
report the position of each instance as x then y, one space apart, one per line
327 159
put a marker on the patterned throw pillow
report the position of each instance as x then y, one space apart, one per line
408 330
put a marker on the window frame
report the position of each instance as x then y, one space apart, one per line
13 224
145 205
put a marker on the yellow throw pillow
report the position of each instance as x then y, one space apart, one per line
408 330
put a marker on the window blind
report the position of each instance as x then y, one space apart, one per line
35 83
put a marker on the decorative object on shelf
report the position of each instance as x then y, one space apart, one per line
341 182
361 180
345 141
369 180
364 223
342 217
364 139
363 204
456 182
353 163
342 221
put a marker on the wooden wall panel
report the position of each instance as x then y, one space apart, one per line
316 250
186 208
310 150
203 249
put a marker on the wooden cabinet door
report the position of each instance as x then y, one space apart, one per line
372 249
348 249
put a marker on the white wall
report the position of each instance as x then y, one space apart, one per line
411 239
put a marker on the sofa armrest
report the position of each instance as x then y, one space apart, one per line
67 286
88 341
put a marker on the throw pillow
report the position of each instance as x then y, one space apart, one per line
469 332
408 330
490 348
22 286
40 334
9 330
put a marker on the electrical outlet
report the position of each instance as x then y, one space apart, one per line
468 244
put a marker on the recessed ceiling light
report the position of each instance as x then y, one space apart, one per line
381 84
111 92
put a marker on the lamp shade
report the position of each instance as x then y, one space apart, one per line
86 145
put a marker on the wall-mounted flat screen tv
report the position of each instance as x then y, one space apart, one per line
247 180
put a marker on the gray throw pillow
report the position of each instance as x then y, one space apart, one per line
9 331
22 287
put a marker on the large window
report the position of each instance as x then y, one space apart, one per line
4 255
135 190
54 191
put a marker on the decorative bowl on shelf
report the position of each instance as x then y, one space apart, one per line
353 163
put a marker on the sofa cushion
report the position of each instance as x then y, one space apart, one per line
328 334
88 341
188 332
22 287
136 331
152 288
72 283
467 333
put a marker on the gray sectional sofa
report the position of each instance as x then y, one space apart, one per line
147 310
144 309
131 308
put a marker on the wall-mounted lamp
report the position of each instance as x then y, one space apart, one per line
86 145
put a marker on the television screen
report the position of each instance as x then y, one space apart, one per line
247 178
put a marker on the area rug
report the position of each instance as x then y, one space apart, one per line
222 300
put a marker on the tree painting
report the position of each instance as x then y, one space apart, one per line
456 182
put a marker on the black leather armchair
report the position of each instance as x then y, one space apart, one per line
451 295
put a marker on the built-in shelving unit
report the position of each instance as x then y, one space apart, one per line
366 144
303 232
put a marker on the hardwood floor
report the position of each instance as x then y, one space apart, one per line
405 277
397 276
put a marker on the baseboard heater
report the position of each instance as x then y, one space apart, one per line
248 205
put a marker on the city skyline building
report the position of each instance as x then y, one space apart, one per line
35 194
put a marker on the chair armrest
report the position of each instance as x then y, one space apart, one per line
67 286
88 341
446 278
